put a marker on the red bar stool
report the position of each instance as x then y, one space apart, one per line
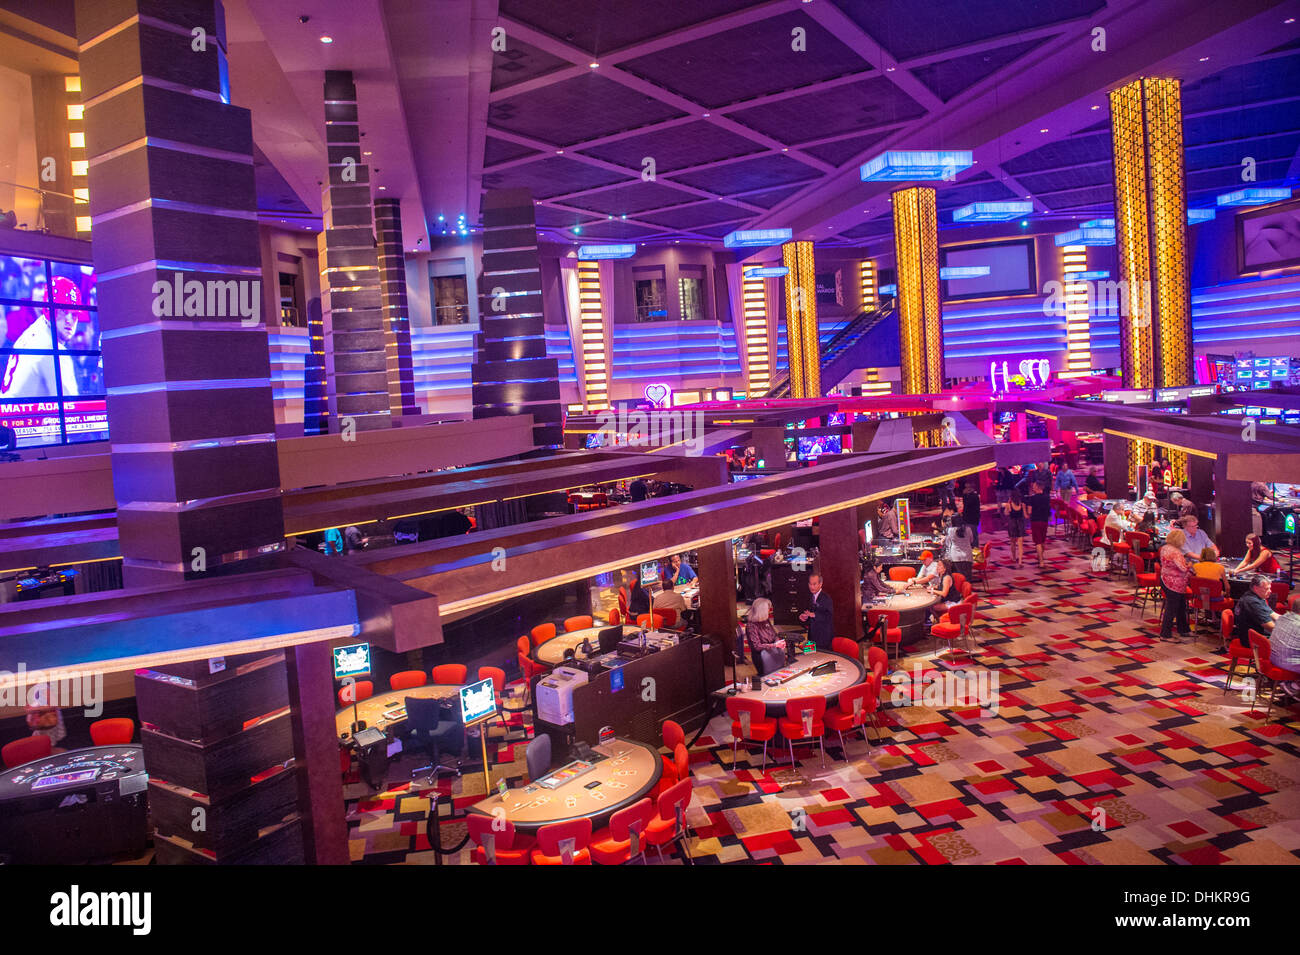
1145 585
1236 652
564 843
856 706
577 623
36 746
901 573
542 632
356 692
451 674
496 842
749 722
804 720
956 625
669 824
624 839
893 632
116 731
846 647
407 679
1263 651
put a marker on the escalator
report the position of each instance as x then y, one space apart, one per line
868 341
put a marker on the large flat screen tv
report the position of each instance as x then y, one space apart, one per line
1010 265
1269 238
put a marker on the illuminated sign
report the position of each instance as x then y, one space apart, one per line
769 272
1032 373
658 394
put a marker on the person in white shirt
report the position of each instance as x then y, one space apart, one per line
1116 518
930 568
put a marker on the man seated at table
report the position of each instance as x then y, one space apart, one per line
1148 503
669 599
1210 568
1196 540
682 572
1092 482
1117 518
1181 506
1253 611
930 568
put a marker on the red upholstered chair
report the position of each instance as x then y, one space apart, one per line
893 633
983 565
624 839
116 731
25 750
959 581
527 665
616 618
1206 595
846 647
451 674
577 623
669 824
668 615
856 706
901 573
600 499
1263 651
1237 654
496 842
650 621
1279 591
358 691
543 632
1139 543
804 720
1117 545
956 625
1145 585
878 663
407 679
498 678
672 734
749 722
675 769
563 843
966 590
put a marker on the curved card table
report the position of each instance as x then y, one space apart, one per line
848 672
372 710
627 773
911 604
551 653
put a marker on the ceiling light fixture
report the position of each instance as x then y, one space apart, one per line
559 152
327 39
1043 130
1094 107
1203 59
593 64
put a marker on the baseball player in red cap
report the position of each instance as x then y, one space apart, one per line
32 376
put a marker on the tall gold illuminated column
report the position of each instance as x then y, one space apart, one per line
758 359
591 360
920 322
1078 314
1151 239
803 343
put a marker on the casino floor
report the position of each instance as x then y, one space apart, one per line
1098 720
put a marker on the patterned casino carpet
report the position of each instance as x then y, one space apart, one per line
1108 747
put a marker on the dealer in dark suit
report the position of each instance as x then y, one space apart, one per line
818 615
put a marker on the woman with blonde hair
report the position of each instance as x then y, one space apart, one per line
767 648
1174 570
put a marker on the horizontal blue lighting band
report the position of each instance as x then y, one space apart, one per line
904 165
1086 237
594 252
992 211
963 271
1197 216
889 290
1253 197
756 238
768 272
1088 276
1098 224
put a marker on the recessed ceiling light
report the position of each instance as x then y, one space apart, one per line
382 188
1203 59
784 149
327 39
366 153
593 64
1289 20
1094 107
1043 130
706 115
889 69
559 152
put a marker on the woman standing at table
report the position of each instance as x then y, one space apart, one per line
766 646
959 546
1016 525
1259 559
1174 571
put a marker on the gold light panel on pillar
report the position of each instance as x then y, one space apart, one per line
1151 235
1078 335
758 359
595 374
802 336
77 149
916 243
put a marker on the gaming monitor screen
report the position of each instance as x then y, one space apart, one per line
814 447
352 660
1269 238
1010 265
477 701
649 572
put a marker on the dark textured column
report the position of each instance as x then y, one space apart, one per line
1232 510
717 573
392 287
310 672
356 365
1114 456
195 469
1200 481
838 563
511 373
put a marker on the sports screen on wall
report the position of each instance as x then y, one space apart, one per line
1269 238
1010 265
51 365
